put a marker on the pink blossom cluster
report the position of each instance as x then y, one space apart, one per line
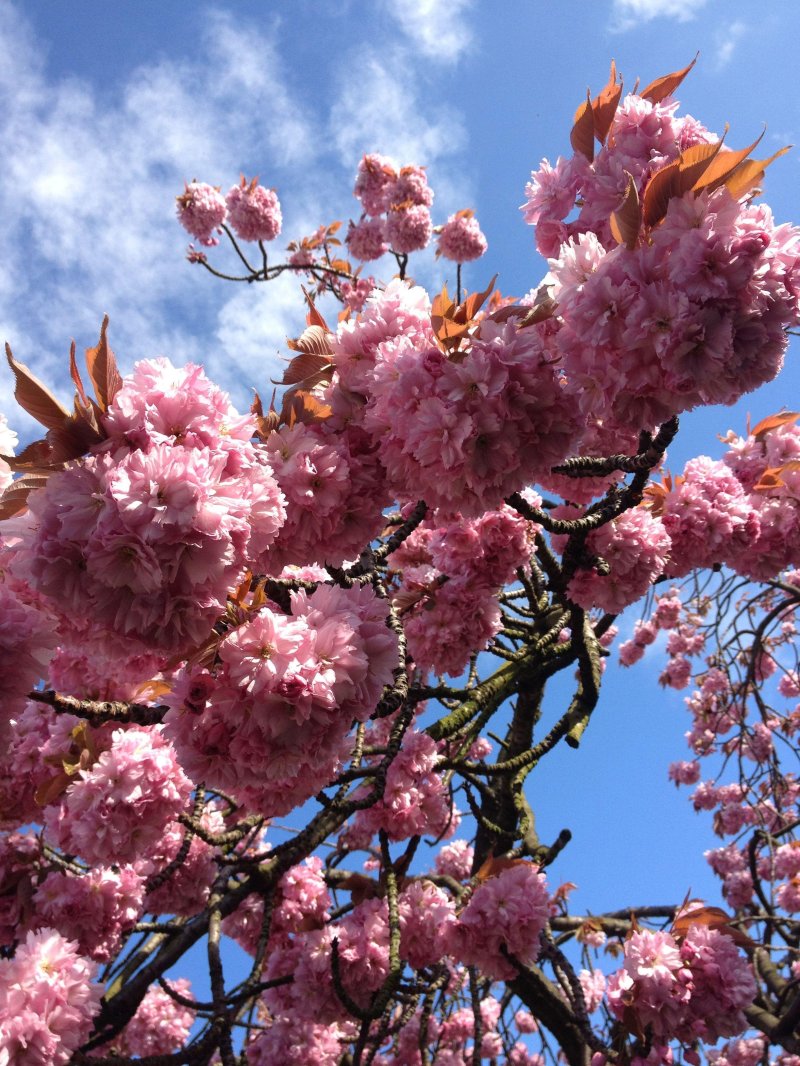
269 724
395 206
94 909
141 541
201 211
48 999
450 572
182 889
118 809
461 238
335 492
505 915
26 646
708 517
415 799
300 1040
694 314
463 433
252 211
160 1025
694 989
635 546
773 497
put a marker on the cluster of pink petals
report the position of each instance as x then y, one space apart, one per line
694 316
118 809
507 913
201 211
143 539
299 1039
183 889
399 310
415 800
451 570
48 999
708 516
94 909
26 645
160 1025
695 989
427 923
455 860
335 493
461 238
20 861
396 210
463 433
254 212
270 724
776 506
635 546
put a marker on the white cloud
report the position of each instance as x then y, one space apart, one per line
88 190
726 42
381 112
88 193
625 14
437 28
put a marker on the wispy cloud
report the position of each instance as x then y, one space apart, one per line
437 28
625 14
726 42
382 112
89 184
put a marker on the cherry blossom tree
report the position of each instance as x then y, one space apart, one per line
278 678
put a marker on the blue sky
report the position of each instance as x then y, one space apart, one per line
106 108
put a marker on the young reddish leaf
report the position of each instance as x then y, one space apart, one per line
661 88
675 179
582 135
15 498
771 422
723 167
36 457
34 397
658 192
604 105
476 300
49 791
772 478
302 406
314 318
306 366
627 219
750 174
714 918
696 163
544 307
102 367
494 866
75 374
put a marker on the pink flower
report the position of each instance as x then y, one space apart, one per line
201 211
508 911
408 228
366 239
119 809
375 181
47 1001
254 212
